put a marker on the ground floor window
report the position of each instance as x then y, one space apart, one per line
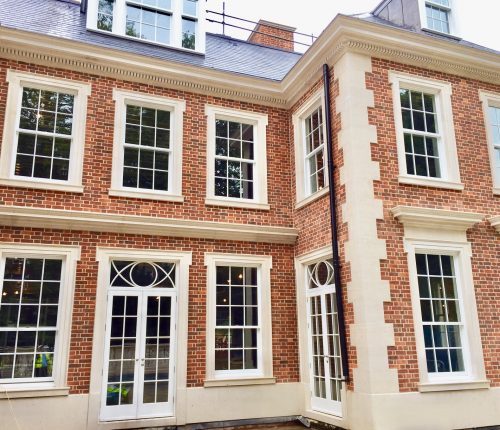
238 317
36 291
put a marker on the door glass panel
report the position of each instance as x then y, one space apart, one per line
157 350
122 351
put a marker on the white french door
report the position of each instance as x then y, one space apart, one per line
138 373
324 341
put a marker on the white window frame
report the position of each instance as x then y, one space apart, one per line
70 256
491 100
81 91
447 147
302 186
259 122
451 17
176 109
264 373
120 16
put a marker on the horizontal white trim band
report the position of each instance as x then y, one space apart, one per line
16 216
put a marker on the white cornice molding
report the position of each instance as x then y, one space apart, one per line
78 56
495 222
344 34
435 218
17 216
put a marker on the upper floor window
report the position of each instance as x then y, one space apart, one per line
418 112
169 22
437 13
147 153
310 150
314 151
44 132
237 174
425 133
491 106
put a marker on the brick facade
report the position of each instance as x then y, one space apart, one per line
475 170
312 221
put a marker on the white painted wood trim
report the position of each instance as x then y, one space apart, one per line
18 216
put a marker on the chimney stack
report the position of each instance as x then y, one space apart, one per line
275 35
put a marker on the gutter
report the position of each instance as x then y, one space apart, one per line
334 227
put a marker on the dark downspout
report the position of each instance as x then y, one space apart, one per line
83 6
334 227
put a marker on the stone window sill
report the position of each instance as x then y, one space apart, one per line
429 182
312 198
453 386
210 201
145 194
41 185
496 191
18 393
239 382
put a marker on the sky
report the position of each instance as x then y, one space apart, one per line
310 16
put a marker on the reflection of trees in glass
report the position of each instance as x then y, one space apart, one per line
105 15
188 41
130 29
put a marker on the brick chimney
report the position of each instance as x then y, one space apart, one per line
283 35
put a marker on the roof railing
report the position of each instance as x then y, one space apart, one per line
224 23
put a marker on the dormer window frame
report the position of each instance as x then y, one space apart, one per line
177 18
448 8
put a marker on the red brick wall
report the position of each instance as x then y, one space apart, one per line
275 37
313 220
97 181
99 148
477 196
284 316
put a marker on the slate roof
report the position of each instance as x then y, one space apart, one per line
63 19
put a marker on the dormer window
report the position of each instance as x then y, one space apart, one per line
175 23
437 13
